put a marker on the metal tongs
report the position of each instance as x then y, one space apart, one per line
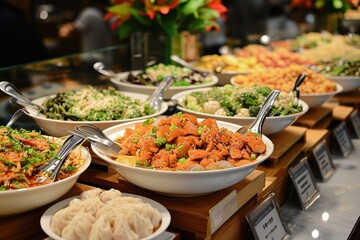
297 84
11 90
100 141
266 107
51 170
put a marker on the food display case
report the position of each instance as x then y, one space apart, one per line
222 214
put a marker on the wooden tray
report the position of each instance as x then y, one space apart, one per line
277 177
201 216
319 117
287 143
349 98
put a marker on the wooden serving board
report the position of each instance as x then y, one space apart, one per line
287 144
201 216
319 117
349 98
277 178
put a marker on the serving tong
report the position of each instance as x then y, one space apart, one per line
50 171
12 91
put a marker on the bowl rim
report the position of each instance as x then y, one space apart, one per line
33 114
214 81
179 95
45 219
339 89
82 169
345 78
269 150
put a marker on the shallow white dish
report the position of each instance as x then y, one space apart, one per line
315 100
271 125
59 128
123 85
349 83
45 220
26 199
182 183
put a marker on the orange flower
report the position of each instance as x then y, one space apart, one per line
162 6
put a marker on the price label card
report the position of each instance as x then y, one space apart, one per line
324 160
304 183
342 136
266 221
355 120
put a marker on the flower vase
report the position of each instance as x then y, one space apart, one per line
148 47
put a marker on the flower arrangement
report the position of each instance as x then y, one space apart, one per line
164 16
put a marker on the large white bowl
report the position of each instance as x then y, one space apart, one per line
45 220
22 200
348 83
317 99
59 128
123 85
271 125
182 183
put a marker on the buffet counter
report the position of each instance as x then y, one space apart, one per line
218 215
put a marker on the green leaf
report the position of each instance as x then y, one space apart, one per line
208 13
192 6
143 20
126 29
121 9
201 24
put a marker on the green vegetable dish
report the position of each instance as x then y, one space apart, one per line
154 75
240 101
90 104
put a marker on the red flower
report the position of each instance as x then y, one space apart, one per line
162 6
218 6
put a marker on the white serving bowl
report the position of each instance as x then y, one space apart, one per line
182 183
123 85
59 128
45 220
348 83
317 99
271 125
26 199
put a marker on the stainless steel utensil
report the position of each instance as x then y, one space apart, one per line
266 107
51 170
155 99
11 90
183 63
16 115
100 67
97 137
297 84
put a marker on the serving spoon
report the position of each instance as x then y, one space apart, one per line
266 107
50 171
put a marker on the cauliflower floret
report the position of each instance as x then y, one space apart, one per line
220 112
211 107
243 112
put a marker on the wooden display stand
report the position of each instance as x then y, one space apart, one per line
198 217
351 99
319 117
287 144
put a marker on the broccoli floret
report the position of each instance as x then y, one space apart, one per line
254 110
265 91
275 111
248 99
